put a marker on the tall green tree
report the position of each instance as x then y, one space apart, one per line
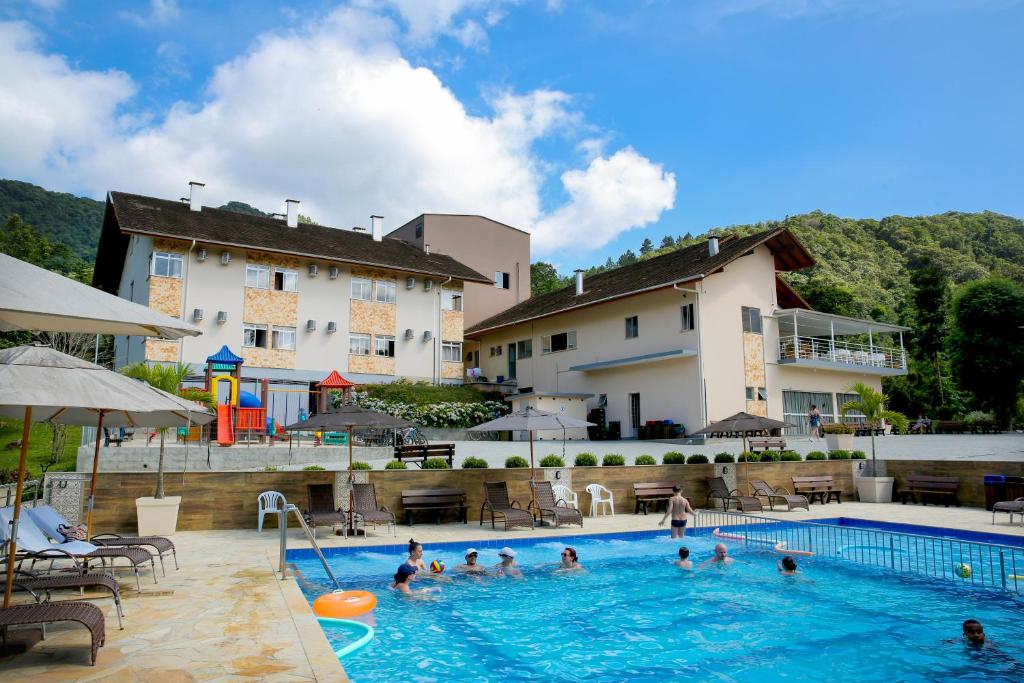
544 278
169 379
646 247
986 343
667 242
931 313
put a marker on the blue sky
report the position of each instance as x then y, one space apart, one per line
593 125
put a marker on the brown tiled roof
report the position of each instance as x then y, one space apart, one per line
691 263
162 218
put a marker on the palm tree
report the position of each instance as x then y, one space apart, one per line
871 404
169 379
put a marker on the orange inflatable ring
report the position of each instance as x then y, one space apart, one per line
344 604
781 548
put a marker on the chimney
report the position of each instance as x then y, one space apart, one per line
377 228
713 246
195 196
579 281
426 249
292 212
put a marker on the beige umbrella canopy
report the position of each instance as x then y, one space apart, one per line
36 299
41 384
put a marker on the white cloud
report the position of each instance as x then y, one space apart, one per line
172 61
161 13
427 19
333 115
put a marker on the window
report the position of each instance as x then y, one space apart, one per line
282 338
796 405
257 276
451 299
563 341
751 320
419 230
686 316
524 349
385 291
632 327
385 346
285 280
501 280
451 351
254 336
359 344
361 288
634 410
854 416
166 264
757 394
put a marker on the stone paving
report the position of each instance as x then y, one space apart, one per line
226 617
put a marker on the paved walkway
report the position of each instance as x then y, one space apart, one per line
226 617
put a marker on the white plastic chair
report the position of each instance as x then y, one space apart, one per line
563 492
270 503
599 496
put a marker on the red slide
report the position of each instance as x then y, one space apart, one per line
225 430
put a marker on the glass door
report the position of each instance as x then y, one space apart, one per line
511 361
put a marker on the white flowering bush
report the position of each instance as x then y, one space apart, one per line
448 414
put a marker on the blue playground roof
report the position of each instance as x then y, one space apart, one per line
225 355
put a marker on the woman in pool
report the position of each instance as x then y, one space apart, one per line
416 561
508 566
570 561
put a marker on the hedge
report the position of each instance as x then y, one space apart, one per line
771 456
673 458
839 455
472 463
859 455
435 464
790 456
816 455
586 460
396 465
724 457
313 468
748 456
516 461
612 460
552 461
360 465
645 460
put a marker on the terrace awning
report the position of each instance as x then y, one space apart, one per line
816 324
633 360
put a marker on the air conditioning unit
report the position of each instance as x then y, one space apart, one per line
225 258
332 327
333 272
410 334
313 269
310 326
222 317
428 285
197 314
201 255
428 335
410 282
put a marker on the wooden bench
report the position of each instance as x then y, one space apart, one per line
766 443
651 493
437 500
868 431
820 487
948 427
419 454
924 486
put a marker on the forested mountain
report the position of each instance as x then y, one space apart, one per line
60 217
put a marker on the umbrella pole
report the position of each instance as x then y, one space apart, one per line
17 506
533 476
351 488
92 485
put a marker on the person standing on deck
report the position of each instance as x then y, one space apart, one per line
678 507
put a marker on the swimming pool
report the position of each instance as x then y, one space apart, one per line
634 616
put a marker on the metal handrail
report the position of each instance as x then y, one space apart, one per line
795 347
282 524
975 563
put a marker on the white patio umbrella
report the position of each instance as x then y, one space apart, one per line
531 420
40 384
36 299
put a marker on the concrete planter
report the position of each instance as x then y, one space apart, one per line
839 442
157 516
875 489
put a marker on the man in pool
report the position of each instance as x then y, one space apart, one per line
974 633
471 566
678 507
684 561
786 566
508 566
720 559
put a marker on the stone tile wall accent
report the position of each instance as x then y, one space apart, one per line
451 325
450 370
268 358
370 317
753 359
276 260
757 408
163 351
271 307
165 294
378 365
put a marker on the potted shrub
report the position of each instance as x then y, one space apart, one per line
724 458
645 460
816 455
552 461
613 460
697 459
516 461
673 458
397 465
871 404
839 436
586 460
472 463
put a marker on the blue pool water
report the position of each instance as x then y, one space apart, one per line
634 617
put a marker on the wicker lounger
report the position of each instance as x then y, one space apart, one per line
719 490
546 504
85 613
39 582
366 508
320 510
1014 507
496 500
763 490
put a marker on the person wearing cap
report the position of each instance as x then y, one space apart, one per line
402 578
570 561
508 566
471 566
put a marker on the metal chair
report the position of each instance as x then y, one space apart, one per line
270 503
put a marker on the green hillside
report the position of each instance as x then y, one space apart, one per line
60 217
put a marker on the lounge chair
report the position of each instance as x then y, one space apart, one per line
366 509
496 500
85 613
1014 507
547 505
321 510
41 585
719 490
50 521
33 541
763 490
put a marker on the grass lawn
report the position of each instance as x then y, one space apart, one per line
38 447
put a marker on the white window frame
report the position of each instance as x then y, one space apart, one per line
253 328
686 321
747 315
288 276
524 349
390 288
278 333
358 344
570 342
171 261
451 299
257 276
365 286
384 343
451 352
502 280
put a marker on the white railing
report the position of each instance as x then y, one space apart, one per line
794 347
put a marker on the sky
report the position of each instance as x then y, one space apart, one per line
592 125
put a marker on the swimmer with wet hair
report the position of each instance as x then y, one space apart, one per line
684 561
787 566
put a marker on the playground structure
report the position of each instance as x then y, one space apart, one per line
244 414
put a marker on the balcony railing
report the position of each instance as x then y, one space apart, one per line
796 348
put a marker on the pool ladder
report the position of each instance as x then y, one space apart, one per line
282 525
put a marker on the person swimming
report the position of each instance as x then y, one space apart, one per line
471 566
403 577
416 560
974 632
570 561
721 557
684 561
786 566
508 566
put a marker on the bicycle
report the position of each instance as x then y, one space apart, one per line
483 436
411 436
